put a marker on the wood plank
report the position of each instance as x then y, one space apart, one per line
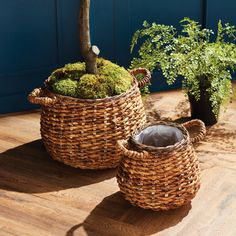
40 196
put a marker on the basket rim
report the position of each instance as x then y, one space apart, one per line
184 141
91 100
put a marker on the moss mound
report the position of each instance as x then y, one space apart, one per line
73 81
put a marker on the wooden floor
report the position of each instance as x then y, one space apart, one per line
41 197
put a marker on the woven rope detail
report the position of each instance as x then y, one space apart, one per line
202 129
145 80
83 132
40 96
159 178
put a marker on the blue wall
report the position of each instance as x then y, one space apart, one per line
218 9
35 38
38 36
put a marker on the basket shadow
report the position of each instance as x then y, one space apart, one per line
29 168
116 216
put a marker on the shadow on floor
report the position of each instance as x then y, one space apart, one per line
223 137
28 168
116 216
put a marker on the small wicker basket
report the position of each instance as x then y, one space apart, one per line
83 132
160 178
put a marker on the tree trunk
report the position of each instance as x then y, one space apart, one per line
89 53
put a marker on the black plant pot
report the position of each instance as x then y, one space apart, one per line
202 109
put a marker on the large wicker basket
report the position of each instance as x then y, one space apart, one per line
160 178
83 132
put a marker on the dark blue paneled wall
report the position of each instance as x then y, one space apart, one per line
223 10
39 36
218 9
35 38
28 49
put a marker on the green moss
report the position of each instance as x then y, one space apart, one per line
117 78
70 71
92 86
67 87
72 80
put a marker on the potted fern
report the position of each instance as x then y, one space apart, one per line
205 66
88 106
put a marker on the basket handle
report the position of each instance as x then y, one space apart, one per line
145 80
122 146
202 129
38 96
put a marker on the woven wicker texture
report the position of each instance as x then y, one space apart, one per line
160 178
83 132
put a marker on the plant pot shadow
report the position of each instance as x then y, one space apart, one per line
29 168
218 134
116 216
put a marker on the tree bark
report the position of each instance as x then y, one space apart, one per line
89 53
